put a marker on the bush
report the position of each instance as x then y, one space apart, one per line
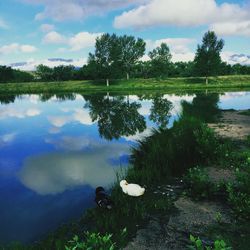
239 193
92 241
198 244
170 152
198 183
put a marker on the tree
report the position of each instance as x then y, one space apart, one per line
207 59
63 73
6 74
131 51
44 72
105 56
160 60
21 76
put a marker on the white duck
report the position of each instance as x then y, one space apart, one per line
131 189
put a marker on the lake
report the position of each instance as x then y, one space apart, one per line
56 149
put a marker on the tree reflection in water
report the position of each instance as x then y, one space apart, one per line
115 116
6 99
160 111
204 107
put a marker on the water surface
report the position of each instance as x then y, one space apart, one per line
55 150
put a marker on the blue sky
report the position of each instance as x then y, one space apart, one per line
33 31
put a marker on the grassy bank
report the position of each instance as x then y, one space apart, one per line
169 84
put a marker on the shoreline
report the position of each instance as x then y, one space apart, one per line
168 85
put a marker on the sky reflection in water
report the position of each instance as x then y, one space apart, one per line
54 151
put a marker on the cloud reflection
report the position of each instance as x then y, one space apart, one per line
56 172
70 143
78 115
9 111
7 138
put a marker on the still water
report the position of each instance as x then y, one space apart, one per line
55 150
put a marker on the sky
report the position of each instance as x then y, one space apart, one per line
54 32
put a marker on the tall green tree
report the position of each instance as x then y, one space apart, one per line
160 60
45 73
6 74
106 55
131 51
63 73
207 59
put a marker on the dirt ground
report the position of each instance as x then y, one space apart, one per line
163 233
232 125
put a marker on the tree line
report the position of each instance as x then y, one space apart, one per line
7 74
119 57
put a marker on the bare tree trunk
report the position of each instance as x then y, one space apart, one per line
127 76
107 82
206 80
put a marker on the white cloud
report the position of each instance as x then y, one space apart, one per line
241 28
183 57
61 10
3 24
27 48
187 13
233 58
179 48
178 45
17 48
31 64
83 40
54 37
76 42
47 27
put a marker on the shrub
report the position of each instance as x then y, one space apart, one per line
198 244
170 152
239 191
92 241
198 183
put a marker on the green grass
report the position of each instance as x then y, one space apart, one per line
169 84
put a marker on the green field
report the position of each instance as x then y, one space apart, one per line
168 85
